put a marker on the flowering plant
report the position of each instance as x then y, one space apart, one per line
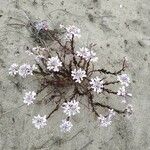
61 65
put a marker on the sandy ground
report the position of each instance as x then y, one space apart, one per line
119 28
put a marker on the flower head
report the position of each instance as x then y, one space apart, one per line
65 126
87 54
13 70
106 121
38 58
25 70
78 75
97 84
92 56
61 26
129 110
84 52
53 64
38 53
124 79
122 92
29 97
111 113
72 30
71 108
34 67
39 122
43 25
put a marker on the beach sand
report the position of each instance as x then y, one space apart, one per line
119 28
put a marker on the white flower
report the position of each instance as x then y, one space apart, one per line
106 121
29 52
43 25
25 70
37 52
53 64
84 52
33 51
111 113
65 126
36 49
71 108
124 79
97 84
122 92
92 56
72 30
129 110
29 97
13 70
61 26
38 58
87 54
39 122
34 67
78 75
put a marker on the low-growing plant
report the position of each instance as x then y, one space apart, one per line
71 73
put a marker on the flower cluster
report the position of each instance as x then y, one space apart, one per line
72 31
43 25
124 79
106 121
97 84
39 54
65 126
87 54
13 70
24 70
129 110
29 97
78 75
53 64
70 109
39 121
122 91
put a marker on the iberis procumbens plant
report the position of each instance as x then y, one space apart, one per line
70 71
